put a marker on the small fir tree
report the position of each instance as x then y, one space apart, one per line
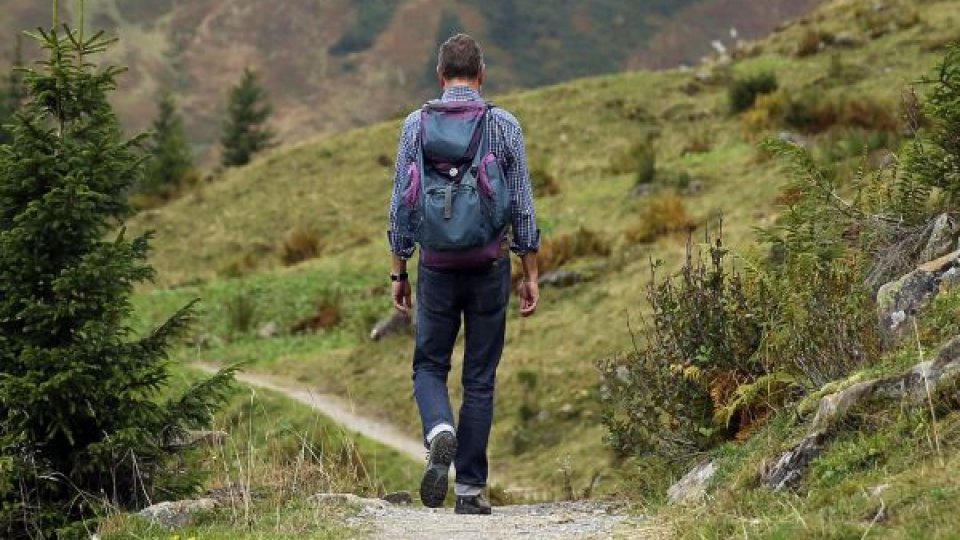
82 426
169 152
245 131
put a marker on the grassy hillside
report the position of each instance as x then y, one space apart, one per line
225 242
336 64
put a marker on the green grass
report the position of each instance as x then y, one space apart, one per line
285 452
337 186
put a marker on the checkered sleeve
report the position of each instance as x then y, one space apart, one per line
400 245
526 235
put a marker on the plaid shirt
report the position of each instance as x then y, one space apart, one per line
506 142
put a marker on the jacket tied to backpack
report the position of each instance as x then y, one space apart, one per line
455 202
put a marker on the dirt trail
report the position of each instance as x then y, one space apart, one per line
337 409
381 520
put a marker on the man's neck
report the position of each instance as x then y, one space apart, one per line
473 84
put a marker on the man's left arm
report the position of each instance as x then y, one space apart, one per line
526 235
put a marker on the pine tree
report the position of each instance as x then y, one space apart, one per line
245 132
11 94
81 422
169 152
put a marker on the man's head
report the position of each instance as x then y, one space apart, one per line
460 61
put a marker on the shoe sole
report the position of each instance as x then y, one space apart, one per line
472 513
433 486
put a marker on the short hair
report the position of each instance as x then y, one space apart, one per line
460 57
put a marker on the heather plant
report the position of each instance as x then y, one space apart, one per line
83 426
743 93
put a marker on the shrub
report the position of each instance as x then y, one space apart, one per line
300 244
811 43
242 311
328 314
661 215
639 158
767 113
542 180
742 93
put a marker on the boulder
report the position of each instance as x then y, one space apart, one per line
392 325
268 330
560 278
943 234
366 506
692 488
900 300
400 498
177 514
200 437
788 469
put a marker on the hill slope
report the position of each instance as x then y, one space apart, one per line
334 64
548 437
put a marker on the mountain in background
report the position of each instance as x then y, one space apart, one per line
335 64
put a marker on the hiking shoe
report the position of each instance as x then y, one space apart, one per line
433 487
473 505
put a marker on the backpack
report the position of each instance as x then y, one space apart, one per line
455 201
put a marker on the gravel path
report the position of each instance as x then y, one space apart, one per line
552 521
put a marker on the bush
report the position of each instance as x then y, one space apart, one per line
542 180
661 215
328 314
811 43
300 244
639 158
242 311
742 93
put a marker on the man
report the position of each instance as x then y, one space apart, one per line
479 295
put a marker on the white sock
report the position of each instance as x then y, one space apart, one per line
438 429
463 490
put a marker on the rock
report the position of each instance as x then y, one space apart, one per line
847 40
402 498
692 488
793 138
642 190
207 341
268 330
787 471
365 505
394 324
942 237
912 386
899 300
560 278
177 514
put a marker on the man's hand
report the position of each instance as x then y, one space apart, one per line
403 297
529 297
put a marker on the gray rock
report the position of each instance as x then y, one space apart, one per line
900 300
560 278
787 471
177 514
401 498
268 330
793 138
942 237
692 488
392 325
847 40
366 506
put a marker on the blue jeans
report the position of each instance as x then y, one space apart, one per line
480 297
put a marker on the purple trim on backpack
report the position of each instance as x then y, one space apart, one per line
462 260
483 179
412 195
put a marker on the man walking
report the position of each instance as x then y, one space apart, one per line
461 181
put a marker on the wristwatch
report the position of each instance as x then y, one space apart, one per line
402 276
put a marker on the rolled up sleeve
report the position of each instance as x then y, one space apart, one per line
526 235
